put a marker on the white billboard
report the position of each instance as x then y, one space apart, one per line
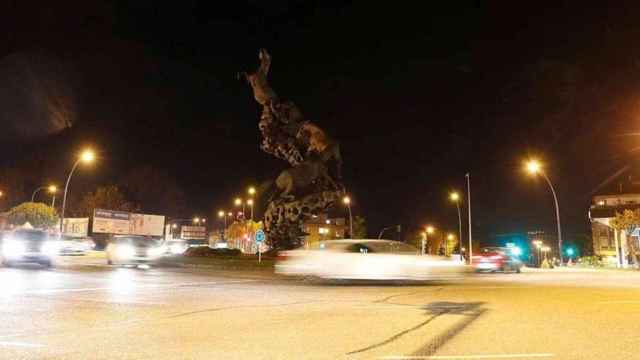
148 225
193 233
124 223
75 227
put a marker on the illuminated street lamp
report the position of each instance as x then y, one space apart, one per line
52 189
87 157
251 191
250 203
223 215
428 230
239 202
455 197
538 245
347 201
534 168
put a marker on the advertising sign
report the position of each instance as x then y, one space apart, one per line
194 233
148 225
110 222
75 227
124 223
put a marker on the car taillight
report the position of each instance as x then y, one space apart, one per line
496 257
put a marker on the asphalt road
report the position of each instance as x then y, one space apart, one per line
85 311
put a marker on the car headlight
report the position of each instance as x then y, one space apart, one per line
11 247
156 251
51 247
125 251
177 249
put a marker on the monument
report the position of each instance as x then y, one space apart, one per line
312 184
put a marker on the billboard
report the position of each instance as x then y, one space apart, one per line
193 233
148 225
125 223
75 227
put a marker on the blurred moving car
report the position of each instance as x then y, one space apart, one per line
76 246
132 249
29 246
367 260
176 247
493 259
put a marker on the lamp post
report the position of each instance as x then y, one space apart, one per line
468 176
52 190
455 197
239 202
347 201
538 245
534 167
428 230
87 157
250 203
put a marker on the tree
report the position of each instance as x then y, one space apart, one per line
628 221
106 197
359 228
38 215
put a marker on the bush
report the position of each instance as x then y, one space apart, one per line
205 251
38 215
591 261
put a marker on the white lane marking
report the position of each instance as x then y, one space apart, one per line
480 356
19 344
141 286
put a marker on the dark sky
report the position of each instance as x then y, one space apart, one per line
417 96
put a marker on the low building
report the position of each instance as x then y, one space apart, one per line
322 228
608 243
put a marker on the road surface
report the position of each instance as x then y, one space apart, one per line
92 311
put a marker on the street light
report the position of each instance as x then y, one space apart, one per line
52 189
239 202
428 230
347 201
251 190
87 157
538 245
455 197
534 168
250 203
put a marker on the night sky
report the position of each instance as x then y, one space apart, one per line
417 96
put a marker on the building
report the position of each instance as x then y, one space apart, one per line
322 228
608 243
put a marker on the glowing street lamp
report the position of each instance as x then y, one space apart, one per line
428 230
534 167
251 191
250 203
87 157
347 201
52 189
455 197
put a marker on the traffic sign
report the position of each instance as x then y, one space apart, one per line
260 236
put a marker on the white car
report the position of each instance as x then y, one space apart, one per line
130 250
368 260
78 246
28 246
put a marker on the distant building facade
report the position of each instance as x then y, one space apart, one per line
322 228
607 242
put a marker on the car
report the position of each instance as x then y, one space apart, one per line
367 260
132 250
176 247
76 246
494 259
29 246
